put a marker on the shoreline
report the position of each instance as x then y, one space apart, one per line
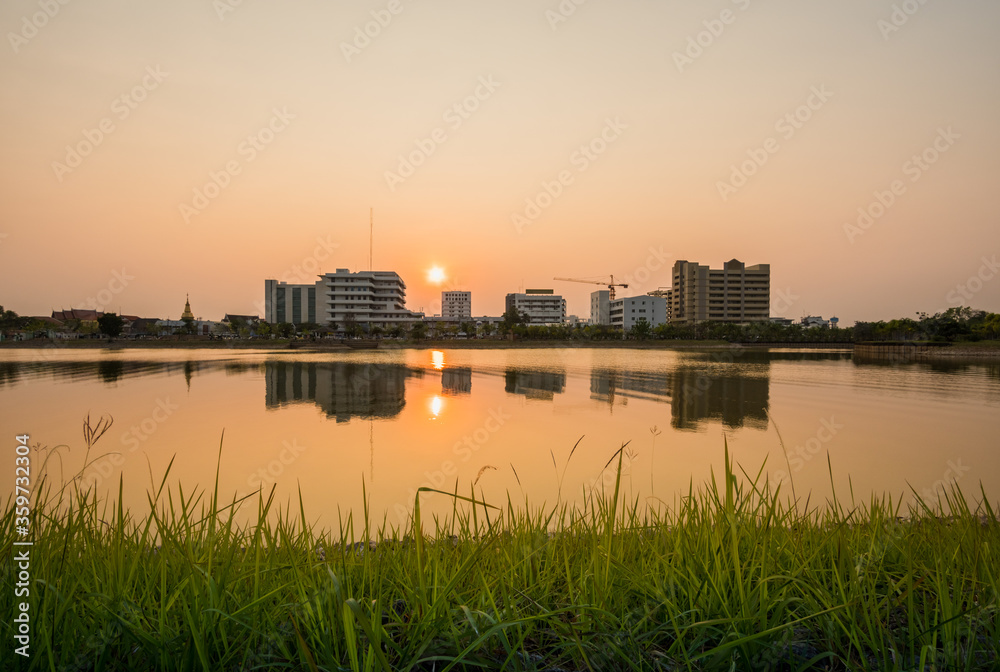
898 352
476 344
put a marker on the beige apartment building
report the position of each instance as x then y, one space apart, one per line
734 293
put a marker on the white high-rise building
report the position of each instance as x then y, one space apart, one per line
599 306
377 298
625 312
456 305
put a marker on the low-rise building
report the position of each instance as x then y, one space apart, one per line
817 321
78 318
542 306
627 311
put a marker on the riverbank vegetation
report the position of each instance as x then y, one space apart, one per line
955 325
733 575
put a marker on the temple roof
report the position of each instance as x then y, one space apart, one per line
187 314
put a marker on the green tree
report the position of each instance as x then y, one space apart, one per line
111 324
990 326
11 320
418 331
511 319
236 325
351 327
641 330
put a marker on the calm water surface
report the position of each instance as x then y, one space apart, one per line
396 420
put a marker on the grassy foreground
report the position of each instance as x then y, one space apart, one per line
732 577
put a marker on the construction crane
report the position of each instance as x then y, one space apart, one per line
610 285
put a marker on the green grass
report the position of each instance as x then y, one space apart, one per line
732 577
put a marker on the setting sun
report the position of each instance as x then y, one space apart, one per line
436 274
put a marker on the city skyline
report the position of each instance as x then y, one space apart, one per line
853 147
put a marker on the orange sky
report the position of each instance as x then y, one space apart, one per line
166 95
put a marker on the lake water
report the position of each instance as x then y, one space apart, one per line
395 420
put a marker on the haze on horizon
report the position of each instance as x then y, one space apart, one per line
170 95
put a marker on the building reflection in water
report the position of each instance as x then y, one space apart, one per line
619 385
736 400
344 390
535 384
108 371
695 394
457 380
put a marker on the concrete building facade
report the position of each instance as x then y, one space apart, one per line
456 305
734 293
377 298
365 298
542 306
625 312
291 303
668 294
599 307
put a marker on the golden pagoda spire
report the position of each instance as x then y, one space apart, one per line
187 315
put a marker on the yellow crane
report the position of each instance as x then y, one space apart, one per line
610 285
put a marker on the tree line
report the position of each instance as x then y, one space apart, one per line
952 325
